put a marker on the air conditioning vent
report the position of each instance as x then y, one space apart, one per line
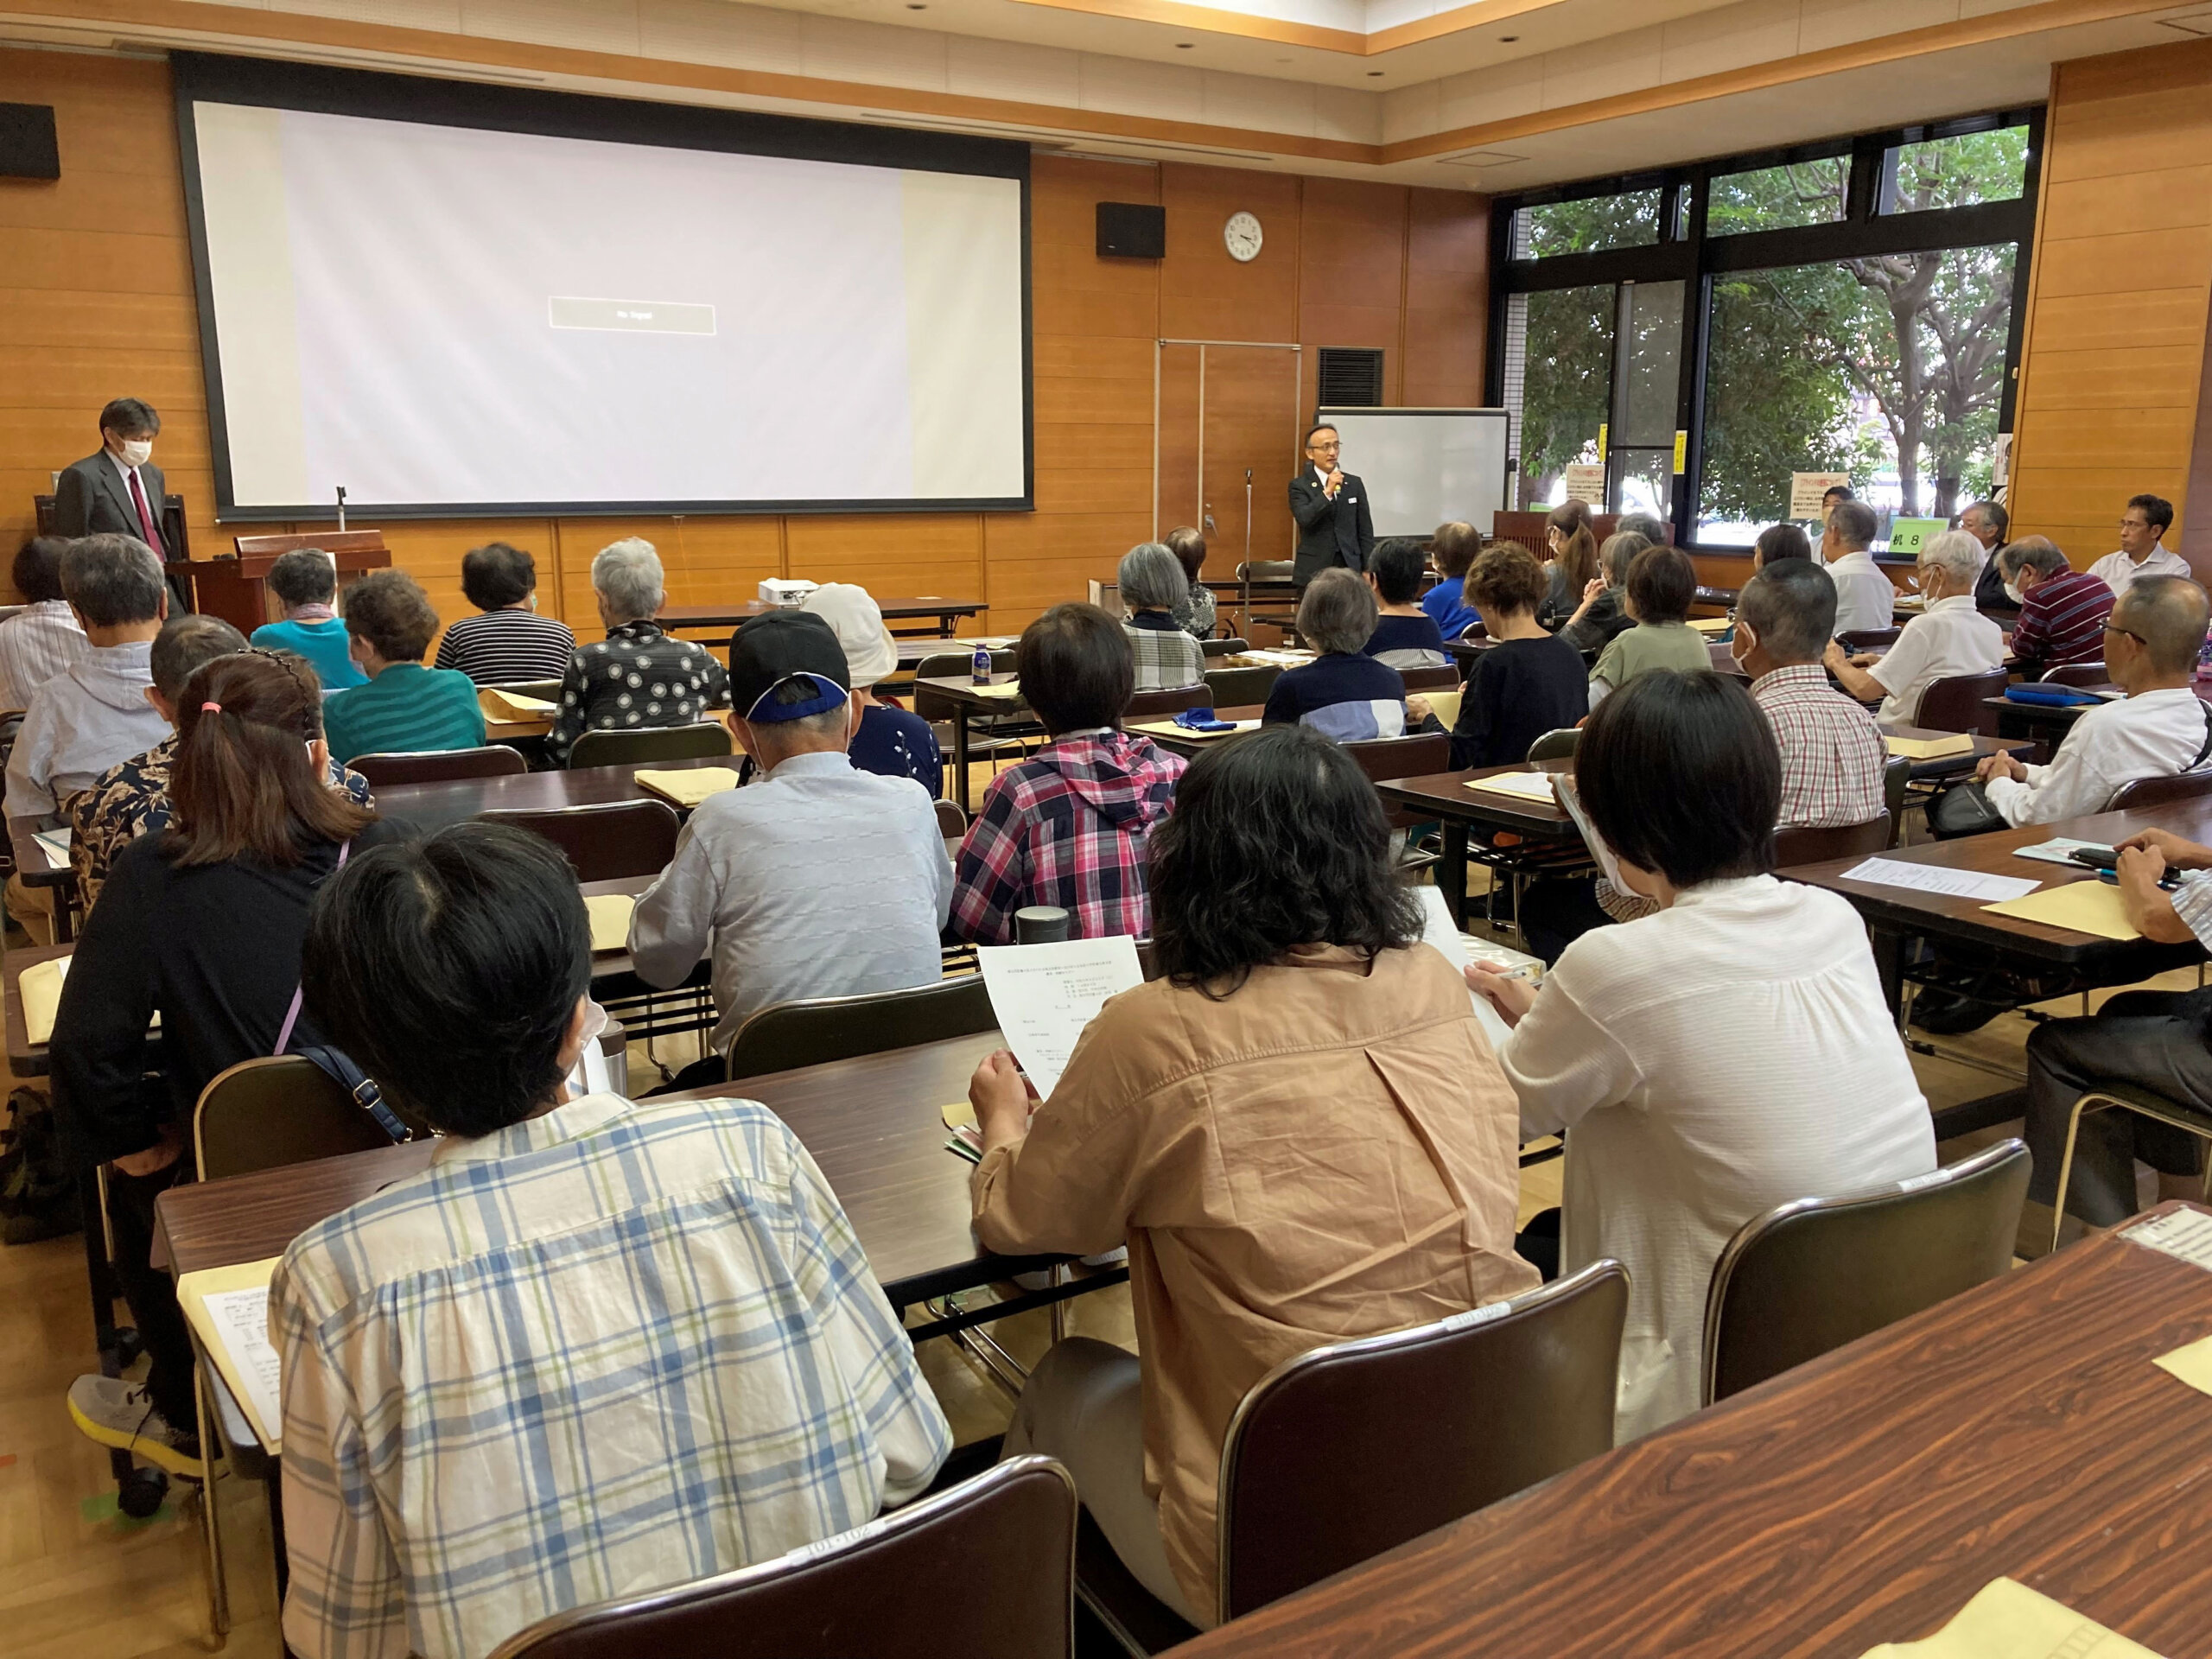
1351 377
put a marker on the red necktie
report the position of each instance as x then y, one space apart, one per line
145 518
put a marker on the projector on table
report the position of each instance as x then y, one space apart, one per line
783 593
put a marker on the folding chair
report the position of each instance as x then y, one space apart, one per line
700 741
437 765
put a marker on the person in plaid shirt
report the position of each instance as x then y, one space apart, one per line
1068 827
595 1347
1151 583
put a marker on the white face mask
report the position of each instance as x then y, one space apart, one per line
1743 645
136 450
2015 594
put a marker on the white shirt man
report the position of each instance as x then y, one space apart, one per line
1949 638
1865 599
2142 551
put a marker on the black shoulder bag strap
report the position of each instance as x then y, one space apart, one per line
339 1066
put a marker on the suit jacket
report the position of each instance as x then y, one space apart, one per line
1341 532
89 500
1989 595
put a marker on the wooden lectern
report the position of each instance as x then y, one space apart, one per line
236 590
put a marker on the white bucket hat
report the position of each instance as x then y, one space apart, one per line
870 653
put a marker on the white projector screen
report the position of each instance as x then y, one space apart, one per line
461 319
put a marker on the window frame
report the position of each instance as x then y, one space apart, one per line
1694 258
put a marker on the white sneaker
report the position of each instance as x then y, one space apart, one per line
122 1415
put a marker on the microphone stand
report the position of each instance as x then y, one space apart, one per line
341 509
1245 568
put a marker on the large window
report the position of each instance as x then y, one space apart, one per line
1847 308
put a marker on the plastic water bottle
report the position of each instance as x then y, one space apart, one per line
983 676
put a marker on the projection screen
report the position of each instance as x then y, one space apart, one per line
503 301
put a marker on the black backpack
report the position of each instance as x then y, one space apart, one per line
38 1191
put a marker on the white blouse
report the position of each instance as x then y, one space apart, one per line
1726 1055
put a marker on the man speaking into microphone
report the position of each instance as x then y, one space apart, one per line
1334 524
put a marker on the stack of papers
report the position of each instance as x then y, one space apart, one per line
686 788
2007 1620
1169 728
1931 748
40 986
1713 624
1524 785
610 920
1271 658
999 691
512 707
56 843
1441 933
1043 996
228 1310
1932 878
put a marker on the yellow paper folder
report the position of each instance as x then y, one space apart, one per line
2084 906
228 1310
1931 748
1527 786
610 920
40 986
2007 1620
687 788
512 707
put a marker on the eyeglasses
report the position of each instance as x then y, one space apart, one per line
1332 444
2114 627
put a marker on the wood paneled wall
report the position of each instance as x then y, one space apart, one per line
96 302
2114 367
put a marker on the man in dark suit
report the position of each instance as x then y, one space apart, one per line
118 491
1334 524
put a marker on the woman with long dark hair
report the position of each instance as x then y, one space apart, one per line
1299 1130
202 924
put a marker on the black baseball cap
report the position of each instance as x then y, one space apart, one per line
785 646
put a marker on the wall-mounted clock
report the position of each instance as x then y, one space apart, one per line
1241 236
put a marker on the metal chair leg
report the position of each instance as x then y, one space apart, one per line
2099 1101
219 1591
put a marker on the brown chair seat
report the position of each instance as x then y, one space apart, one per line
1803 846
1151 705
701 740
605 843
437 765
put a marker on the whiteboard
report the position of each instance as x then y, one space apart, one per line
1425 466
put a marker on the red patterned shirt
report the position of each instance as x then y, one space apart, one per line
1832 751
1067 827
2063 620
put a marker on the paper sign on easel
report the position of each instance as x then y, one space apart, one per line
1807 490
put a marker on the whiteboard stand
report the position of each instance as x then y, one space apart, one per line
1426 466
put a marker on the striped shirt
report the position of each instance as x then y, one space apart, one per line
2063 620
36 644
1167 658
602 1350
500 647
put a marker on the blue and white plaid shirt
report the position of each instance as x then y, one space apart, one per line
613 1347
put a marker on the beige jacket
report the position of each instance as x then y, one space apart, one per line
1330 1152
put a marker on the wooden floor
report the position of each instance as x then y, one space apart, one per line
77 1579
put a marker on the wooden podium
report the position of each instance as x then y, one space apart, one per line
236 590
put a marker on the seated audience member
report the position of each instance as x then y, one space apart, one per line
306 582
2062 610
2153 1039
1195 615
43 639
1779 542
1186 1125
1865 598
201 924
1645 525
1068 826
405 707
1948 638
1527 683
1685 1124
508 641
1453 549
1151 582
1574 565
1994 593
94 713
890 742
2143 552
1602 613
819 880
1405 636
1662 586
668 1359
1343 693
132 797
1830 495
639 675
2160 729
1832 752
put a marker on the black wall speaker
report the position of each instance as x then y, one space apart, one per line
27 148
1130 229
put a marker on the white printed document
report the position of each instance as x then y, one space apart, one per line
2186 1234
228 1310
1045 994
2059 850
1441 931
1933 878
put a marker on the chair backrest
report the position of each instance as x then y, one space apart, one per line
543 691
951 822
605 843
262 1114
1813 1274
1897 777
1317 1475
2077 674
1240 688
985 1570
1446 679
1383 757
2161 791
1801 846
699 740
436 766
1150 705
1953 704
1867 638
823 1028
1267 569
1223 647
1556 744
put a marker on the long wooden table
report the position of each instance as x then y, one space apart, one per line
2018 1430
946 612
969 699
429 807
